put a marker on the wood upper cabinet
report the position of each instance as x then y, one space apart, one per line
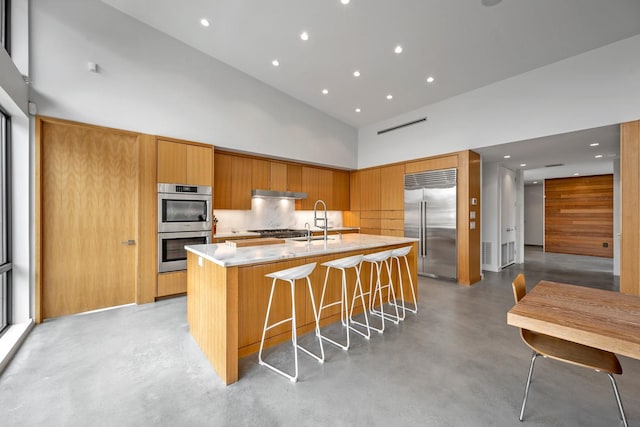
182 163
234 180
392 188
222 181
341 193
241 182
370 189
260 174
354 191
310 185
278 176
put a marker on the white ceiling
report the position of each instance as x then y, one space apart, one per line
461 43
572 150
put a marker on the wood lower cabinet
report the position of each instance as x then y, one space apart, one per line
172 283
184 163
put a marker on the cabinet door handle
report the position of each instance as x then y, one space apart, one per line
128 242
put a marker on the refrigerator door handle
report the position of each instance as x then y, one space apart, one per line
423 221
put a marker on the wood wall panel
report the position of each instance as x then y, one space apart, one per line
579 215
630 203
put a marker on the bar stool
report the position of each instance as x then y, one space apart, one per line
396 254
291 275
380 259
346 315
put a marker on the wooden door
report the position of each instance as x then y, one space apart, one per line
89 207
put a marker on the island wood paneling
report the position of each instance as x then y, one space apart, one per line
85 217
630 206
579 215
212 313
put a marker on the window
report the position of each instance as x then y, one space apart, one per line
5 224
4 24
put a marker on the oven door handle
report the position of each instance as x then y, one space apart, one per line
128 242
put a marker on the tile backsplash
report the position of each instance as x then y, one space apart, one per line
268 214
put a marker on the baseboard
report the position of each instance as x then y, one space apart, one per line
11 340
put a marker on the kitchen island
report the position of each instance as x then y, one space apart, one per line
227 291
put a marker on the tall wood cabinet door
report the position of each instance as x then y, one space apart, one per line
392 188
278 179
222 181
86 217
199 164
294 181
325 187
370 189
260 174
241 169
354 191
340 191
310 179
172 160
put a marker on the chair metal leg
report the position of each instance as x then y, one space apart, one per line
618 400
526 390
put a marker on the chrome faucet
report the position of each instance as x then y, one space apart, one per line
320 220
308 227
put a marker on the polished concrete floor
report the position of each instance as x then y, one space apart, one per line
455 363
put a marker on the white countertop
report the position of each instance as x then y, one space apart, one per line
228 256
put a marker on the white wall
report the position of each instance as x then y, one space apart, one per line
600 87
490 221
151 83
534 215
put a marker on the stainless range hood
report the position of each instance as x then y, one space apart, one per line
278 194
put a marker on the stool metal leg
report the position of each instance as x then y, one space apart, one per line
391 295
618 400
364 306
317 330
343 308
413 293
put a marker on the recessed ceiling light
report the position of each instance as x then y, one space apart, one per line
507 156
490 3
523 165
594 144
325 91
345 1
304 36
598 156
389 96
205 22
535 182
430 79
576 174
357 110
356 73
275 62
398 49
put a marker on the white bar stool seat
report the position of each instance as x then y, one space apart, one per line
380 259
291 275
396 254
346 315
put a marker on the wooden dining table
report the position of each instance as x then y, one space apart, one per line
598 318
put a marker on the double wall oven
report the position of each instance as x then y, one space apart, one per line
184 218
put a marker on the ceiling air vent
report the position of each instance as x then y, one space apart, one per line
404 125
555 165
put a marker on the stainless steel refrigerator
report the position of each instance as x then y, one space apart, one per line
430 205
